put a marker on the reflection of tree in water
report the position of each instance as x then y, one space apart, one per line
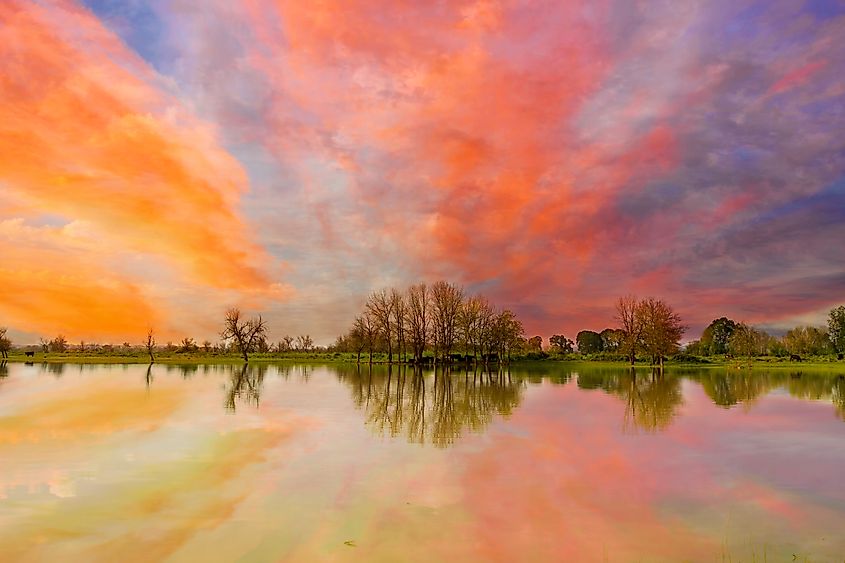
651 400
56 370
838 396
244 386
819 387
729 388
732 387
4 369
428 408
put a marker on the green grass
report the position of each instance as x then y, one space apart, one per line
118 356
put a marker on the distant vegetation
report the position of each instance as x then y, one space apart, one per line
426 324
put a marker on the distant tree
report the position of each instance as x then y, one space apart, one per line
187 345
45 345
469 324
150 345
661 329
508 333
743 341
304 343
776 347
446 301
356 341
206 346
5 343
807 340
561 343
714 339
82 346
380 309
418 318
58 344
611 339
398 308
535 344
245 334
367 330
285 344
836 328
588 342
693 348
627 313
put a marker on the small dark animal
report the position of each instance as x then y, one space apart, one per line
794 358
29 354
456 357
840 356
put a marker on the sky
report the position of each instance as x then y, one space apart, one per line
162 161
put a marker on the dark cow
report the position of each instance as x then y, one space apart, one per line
494 357
794 358
456 357
29 354
840 356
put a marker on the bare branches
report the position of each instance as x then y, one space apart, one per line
244 334
650 324
631 325
150 344
418 318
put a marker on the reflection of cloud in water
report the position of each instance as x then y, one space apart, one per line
431 407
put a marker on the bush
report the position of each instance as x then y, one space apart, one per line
689 359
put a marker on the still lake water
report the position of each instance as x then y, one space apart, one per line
551 462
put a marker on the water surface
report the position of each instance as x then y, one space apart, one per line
332 463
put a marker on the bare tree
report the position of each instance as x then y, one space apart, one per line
468 323
509 333
380 309
418 318
631 325
366 327
150 345
357 340
245 334
5 343
58 344
398 308
304 343
446 301
285 344
661 329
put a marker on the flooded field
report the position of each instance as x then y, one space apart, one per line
544 462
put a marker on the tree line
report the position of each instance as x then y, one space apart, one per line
438 318
439 322
646 326
724 336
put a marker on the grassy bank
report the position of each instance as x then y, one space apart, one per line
200 357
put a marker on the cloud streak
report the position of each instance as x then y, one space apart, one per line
554 155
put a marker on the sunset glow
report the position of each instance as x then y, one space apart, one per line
163 161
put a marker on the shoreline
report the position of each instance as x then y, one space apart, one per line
201 359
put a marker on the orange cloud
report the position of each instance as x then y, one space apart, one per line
88 134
